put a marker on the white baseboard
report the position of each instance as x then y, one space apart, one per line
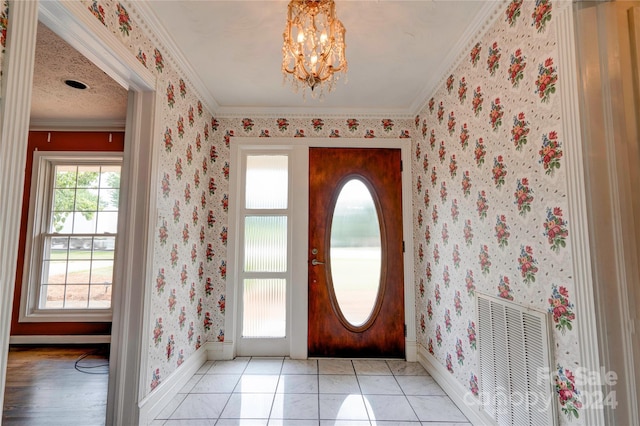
218 351
58 340
152 404
411 351
467 403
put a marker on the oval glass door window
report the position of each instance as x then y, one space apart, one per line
355 253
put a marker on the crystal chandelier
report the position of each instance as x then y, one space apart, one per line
313 53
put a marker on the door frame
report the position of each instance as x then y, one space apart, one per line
299 147
81 30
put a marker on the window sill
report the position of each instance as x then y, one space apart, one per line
79 315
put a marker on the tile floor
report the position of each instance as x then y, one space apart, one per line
281 391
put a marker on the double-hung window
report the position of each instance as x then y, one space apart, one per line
72 233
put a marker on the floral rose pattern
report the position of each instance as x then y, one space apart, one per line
561 308
513 12
555 228
527 265
519 131
516 69
500 173
550 153
546 81
567 393
197 317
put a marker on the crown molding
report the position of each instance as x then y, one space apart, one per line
481 23
158 34
77 125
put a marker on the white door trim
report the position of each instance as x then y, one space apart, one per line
300 204
14 130
82 31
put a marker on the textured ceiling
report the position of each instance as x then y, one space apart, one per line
395 49
102 104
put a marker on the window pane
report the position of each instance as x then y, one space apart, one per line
107 222
265 244
84 222
54 272
110 177
102 272
109 199
88 176
58 248
86 200
267 182
64 200
103 247
76 297
78 271
356 254
264 313
100 296
52 297
66 176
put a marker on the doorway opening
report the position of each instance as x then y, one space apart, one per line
300 259
67 21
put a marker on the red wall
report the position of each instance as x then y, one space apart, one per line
59 141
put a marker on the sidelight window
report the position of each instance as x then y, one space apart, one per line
265 264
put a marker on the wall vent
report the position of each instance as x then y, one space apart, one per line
515 370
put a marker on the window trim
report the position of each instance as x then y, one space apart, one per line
39 206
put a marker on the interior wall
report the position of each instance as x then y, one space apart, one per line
4 21
490 199
56 141
610 120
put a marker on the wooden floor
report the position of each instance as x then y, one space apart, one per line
44 388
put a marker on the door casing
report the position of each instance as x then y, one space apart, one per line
298 292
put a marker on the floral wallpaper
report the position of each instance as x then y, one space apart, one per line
187 291
190 262
489 197
490 205
4 22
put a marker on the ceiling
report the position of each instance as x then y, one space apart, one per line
395 50
398 51
103 104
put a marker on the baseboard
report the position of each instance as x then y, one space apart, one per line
154 403
411 350
58 340
467 403
218 351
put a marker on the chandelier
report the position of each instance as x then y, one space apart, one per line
314 46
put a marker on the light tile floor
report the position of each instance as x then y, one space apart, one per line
285 392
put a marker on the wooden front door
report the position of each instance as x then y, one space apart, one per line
347 317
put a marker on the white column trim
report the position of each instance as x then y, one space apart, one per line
14 130
586 325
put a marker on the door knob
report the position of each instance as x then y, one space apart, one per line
315 262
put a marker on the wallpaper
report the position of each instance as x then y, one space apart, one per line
490 205
489 197
4 22
188 247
